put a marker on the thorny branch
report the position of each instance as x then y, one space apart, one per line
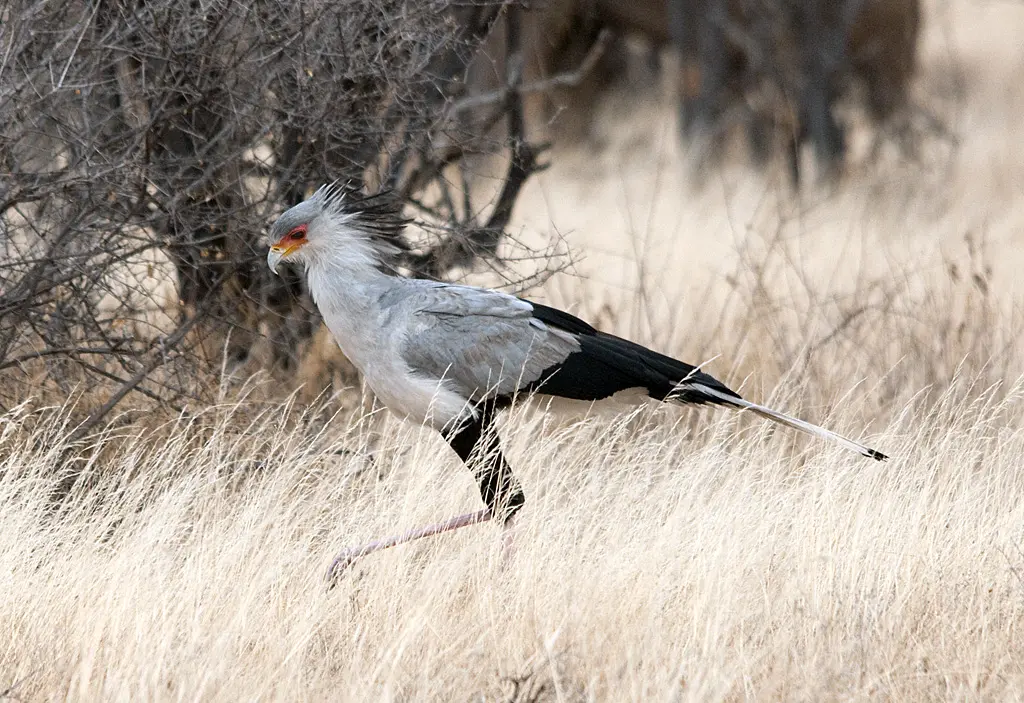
145 147
483 240
569 79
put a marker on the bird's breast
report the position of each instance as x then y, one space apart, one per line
374 348
425 401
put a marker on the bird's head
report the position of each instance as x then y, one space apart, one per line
338 226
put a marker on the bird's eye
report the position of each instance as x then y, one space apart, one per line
297 233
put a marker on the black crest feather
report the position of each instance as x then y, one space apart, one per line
379 216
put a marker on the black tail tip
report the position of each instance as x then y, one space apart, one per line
876 455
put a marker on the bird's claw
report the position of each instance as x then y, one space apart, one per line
340 565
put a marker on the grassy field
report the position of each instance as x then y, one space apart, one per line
664 554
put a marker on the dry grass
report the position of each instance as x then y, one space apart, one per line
663 554
652 562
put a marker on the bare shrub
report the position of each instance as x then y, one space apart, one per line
147 144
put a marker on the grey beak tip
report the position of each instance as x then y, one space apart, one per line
273 260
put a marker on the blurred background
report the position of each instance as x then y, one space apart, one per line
821 201
830 189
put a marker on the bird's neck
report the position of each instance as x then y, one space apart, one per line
349 299
345 286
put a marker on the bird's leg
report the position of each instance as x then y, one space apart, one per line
499 488
478 446
501 491
346 558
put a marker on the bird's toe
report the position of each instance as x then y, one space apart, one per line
340 565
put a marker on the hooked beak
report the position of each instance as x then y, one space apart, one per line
277 253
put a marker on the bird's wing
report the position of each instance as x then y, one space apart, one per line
489 344
485 343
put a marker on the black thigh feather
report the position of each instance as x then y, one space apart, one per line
478 446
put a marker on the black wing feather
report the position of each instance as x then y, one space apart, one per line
606 364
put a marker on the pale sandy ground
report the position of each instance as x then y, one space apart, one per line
665 555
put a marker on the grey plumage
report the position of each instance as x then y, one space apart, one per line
451 356
484 343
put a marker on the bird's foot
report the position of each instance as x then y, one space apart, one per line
340 565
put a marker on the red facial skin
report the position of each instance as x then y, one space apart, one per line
292 241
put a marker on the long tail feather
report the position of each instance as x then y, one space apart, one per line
787 420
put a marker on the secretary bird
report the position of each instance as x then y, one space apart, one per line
452 356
